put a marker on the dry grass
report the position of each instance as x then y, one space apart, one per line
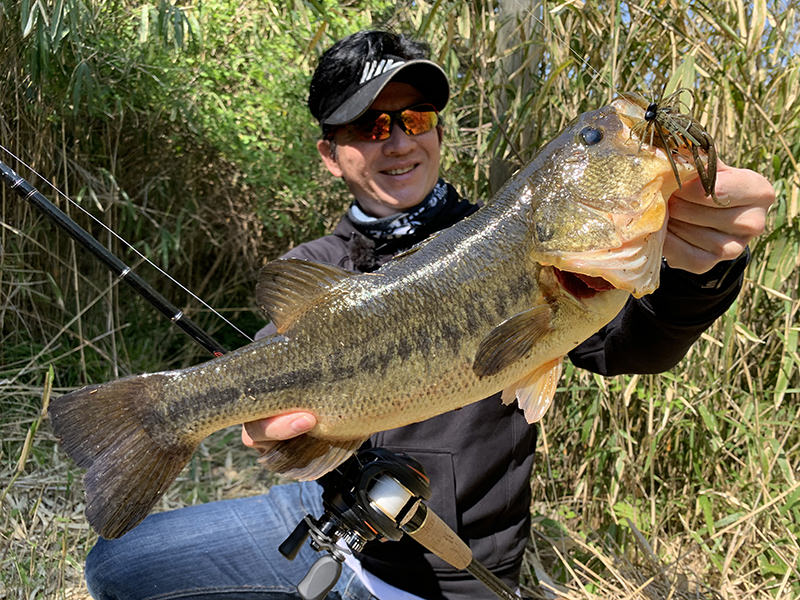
45 536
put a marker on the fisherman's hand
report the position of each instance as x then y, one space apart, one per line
701 233
282 427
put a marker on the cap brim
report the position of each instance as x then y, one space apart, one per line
425 75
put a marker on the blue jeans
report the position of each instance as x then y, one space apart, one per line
226 549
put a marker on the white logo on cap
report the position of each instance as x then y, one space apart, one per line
373 68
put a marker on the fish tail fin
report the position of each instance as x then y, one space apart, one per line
113 431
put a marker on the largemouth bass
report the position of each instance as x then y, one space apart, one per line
492 303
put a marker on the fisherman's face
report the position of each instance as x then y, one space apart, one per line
392 175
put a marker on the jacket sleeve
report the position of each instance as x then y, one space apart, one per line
651 334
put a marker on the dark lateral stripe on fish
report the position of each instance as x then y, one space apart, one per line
297 378
445 324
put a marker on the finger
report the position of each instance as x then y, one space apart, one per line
248 441
734 187
698 249
692 191
721 244
742 221
680 254
281 427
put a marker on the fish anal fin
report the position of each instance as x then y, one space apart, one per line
512 340
536 390
108 429
306 457
287 286
509 395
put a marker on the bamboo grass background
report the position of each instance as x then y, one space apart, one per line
181 126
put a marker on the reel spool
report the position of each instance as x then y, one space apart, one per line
377 494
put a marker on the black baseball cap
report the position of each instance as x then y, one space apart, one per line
354 79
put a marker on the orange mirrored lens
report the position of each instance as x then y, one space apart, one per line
416 122
377 125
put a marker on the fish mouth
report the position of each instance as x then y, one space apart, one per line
634 266
581 286
631 113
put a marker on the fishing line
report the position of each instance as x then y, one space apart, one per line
125 243
582 60
582 63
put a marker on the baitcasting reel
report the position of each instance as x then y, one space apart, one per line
377 494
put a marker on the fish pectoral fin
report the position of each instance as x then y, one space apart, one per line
305 457
512 340
535 391
287 286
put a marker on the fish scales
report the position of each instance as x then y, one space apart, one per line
492 303
333 383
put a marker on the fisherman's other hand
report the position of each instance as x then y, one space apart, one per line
256 434
701 233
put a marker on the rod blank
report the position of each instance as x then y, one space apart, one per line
30 194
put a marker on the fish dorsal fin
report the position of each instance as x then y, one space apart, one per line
535 391
288 286
511 340
305 457
416 247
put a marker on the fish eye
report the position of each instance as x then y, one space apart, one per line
591 136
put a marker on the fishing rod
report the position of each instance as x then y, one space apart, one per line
378 494
124 272
375 494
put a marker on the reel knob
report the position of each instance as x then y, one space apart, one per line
321 578
292 544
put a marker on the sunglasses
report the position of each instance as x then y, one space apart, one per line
377 125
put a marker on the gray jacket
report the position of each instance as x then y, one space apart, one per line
479 458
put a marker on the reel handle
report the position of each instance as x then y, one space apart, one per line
436 535
292 544
320 579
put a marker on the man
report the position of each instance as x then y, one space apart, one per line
377 99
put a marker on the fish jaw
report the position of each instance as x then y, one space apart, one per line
634 265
